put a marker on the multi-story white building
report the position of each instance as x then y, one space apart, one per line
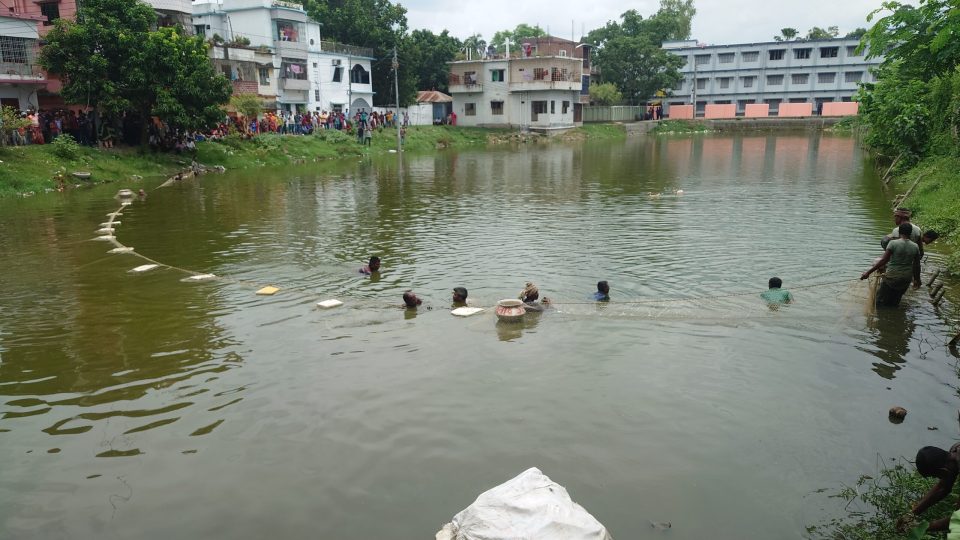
803 71
539 87
294 69
20 75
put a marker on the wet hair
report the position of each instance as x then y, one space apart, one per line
930 459
461 292
931 235
603 286
374 259
775 283
905 229
410 299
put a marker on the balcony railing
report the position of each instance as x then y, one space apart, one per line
342 48
294 84
245 87
18 70
463 83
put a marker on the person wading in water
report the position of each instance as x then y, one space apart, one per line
900 256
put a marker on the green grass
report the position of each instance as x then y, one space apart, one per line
936 200
680 126
35 168
869 509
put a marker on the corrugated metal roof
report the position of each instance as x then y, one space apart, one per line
433 96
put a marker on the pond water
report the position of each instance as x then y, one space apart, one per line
141 406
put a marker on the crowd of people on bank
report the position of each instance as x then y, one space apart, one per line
89 129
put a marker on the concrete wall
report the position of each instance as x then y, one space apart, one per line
840 109
720 111
794 110
680 112
757 110
612 113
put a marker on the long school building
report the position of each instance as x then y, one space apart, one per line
771 73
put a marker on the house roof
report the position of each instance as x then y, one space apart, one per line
432 96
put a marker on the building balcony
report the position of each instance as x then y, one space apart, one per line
546 84
349 50
285 48
294 84
461 83
14 72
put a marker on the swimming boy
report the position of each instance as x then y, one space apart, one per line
410 300
775 294
371 267
459 297
603 292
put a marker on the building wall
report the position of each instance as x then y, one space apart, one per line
729 74
20 75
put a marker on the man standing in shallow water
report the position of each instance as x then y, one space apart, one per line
899 258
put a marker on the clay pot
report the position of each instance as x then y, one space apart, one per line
510 310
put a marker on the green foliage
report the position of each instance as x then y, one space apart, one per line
872 507
475 45
921 40
10 121
605 94
111 60
681 126
335 136
516 36
894 108
786 34
65 146
856 34
431 52
629 52
248 105
819 33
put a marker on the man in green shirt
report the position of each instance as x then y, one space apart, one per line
900 256
776 295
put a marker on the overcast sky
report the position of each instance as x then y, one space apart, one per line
716 22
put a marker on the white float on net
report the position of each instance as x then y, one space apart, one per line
327 304
122 249
200 277
144 268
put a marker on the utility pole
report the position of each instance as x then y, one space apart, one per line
396 94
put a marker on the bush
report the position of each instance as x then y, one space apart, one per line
267 141
65 146
334 136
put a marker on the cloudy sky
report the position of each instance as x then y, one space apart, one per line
716 22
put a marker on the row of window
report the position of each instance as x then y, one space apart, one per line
777 80
804 53
539 107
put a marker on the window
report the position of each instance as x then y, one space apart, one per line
292 68
773 103
852 50
798 100
541 74
801 54
702 59
316 95
722 102
853 76
750 56
724 82
553 107
470 109
497 75
725 58
701 84
496 108
14 50
338 74
747 82
742 104
774 80
776 54
200 30
538 108
800 78
679 85
829 52
826 78
563 53
287 31
314 64
358 75
566 107
264 76
50 10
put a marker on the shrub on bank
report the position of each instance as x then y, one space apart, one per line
65 147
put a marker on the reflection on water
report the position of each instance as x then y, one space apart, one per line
132 403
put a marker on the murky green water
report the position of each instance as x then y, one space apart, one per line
140 406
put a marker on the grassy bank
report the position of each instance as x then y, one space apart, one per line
680 126
935 200
34 169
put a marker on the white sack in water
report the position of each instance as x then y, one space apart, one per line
529 507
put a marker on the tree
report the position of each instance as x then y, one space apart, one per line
432 52
856 34
920 39
376 24
516 36
819 33
605 94
473 46
247 105
786 34
629 54
10 121
109 59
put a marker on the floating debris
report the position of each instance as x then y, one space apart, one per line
268 291
897 414
145 268
121 250
465 311
661 525
327 304
82 175
200 277
125 194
